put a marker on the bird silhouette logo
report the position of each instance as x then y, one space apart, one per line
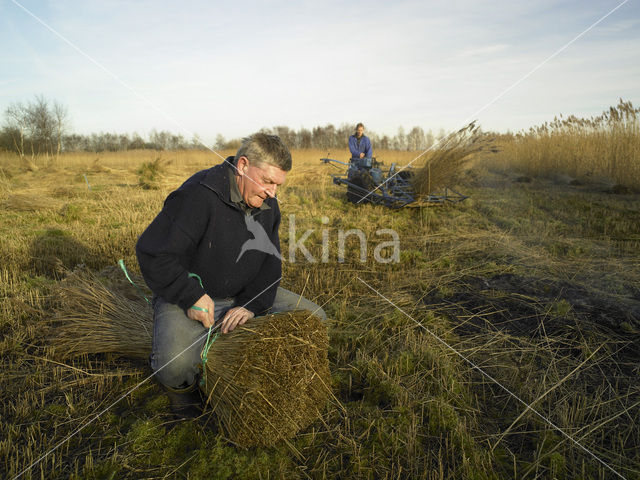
260 240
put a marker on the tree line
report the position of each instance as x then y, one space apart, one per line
42 127
330 137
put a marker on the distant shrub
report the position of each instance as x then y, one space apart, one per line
149 173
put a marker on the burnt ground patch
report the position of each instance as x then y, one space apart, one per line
588 342
534 307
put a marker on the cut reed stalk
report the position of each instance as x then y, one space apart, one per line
445 164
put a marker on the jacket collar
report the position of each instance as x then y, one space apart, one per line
218 180
236 196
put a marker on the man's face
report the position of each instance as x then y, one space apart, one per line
359 131
256 184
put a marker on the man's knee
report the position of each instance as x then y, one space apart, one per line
174 370
319 312
287 301
177 341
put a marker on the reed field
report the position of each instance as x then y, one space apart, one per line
604 148
528 286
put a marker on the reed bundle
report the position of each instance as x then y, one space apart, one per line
447 162
264 382
95 314
269 378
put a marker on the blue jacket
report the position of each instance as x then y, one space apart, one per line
364 147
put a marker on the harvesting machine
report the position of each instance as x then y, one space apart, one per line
368 182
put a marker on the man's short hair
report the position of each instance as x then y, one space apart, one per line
263 148
359 125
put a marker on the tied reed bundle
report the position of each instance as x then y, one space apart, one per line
265 381
269 378
97 314
448 160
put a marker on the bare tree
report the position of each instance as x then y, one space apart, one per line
400 140
220 142
41 125
342 134
44 127
429 139
304 138
415 139
287 135
196 143
60 115
17 124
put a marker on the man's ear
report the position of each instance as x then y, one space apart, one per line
241 165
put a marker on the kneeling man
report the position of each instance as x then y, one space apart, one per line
212 255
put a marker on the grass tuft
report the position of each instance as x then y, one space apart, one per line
150 173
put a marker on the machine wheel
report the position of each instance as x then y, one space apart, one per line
364 180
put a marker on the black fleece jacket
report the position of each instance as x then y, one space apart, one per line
200 230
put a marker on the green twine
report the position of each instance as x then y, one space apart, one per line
195 275
124 269
191 275
193 307
210 338
205 352
208 342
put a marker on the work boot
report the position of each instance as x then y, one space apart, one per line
185 403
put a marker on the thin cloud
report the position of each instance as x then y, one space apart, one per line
234 68
484 51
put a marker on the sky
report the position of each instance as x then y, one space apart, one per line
231 68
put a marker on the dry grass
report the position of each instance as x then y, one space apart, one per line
114 160
536 283
29 202
602 148
150 173
98 167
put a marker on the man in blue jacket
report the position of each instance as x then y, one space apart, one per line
359 144
212 255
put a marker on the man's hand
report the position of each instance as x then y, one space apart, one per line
205 317
234 317
362 155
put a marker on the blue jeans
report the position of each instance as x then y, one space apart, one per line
178 340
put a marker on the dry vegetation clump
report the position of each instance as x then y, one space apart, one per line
30 202
28 166
94 318
149 173
445 164
265 381
269 379
62 191
98 167
5 174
